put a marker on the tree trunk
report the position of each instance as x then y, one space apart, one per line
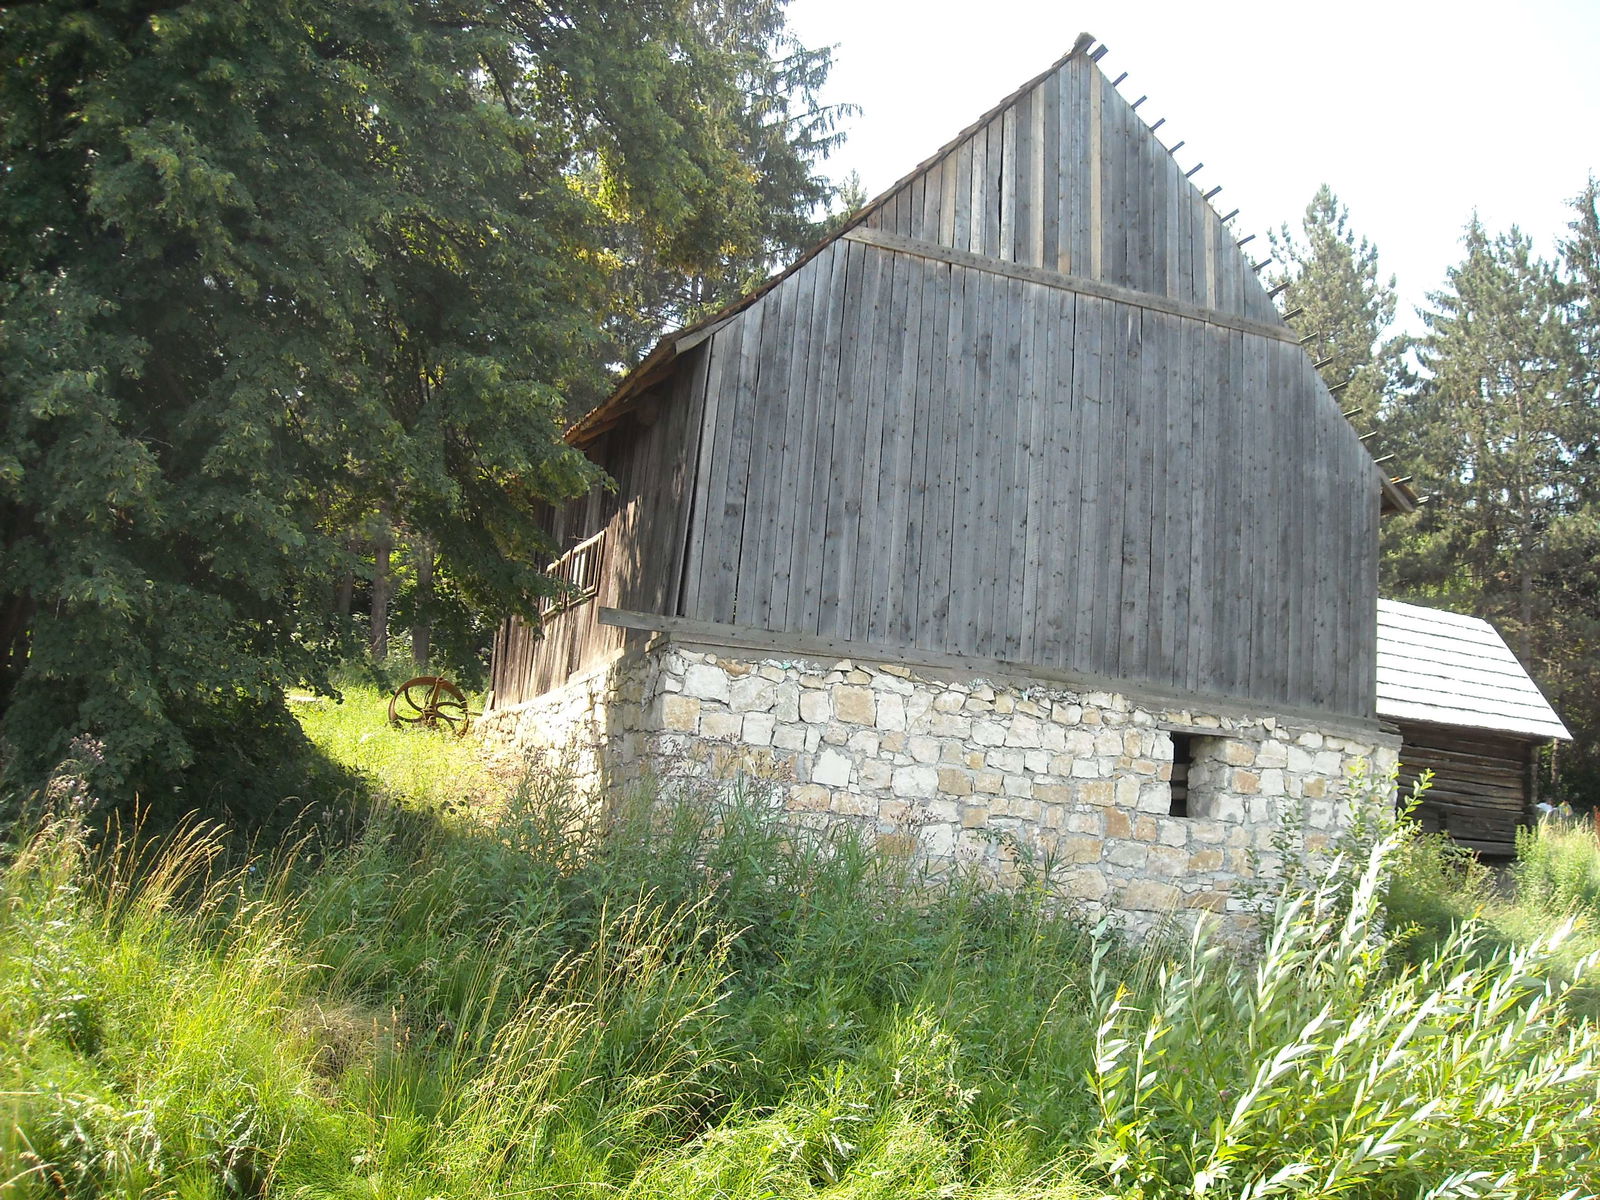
344 590
421 630
383 547
16 623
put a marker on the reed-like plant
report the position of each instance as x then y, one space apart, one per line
1322 1069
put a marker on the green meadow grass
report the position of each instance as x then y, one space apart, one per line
683 996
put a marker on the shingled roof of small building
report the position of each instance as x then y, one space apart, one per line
1448 669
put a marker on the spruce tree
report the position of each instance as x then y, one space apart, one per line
1341 301
271 267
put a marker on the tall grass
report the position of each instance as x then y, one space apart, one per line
684 995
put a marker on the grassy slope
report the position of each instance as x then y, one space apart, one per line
689 1000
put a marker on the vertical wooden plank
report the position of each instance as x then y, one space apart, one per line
1024 240
844 492
889 593
1001 570
1044 331
1175 468
716 449
1115 489
1007 180
768 391
950 172
1142 611
798 440
971 483
1062 487
1022 567
1117 187
932 192
783 402
867 550
1052 197
823 397
994 186
969 163
1096 211
1089 592
939 557
932 402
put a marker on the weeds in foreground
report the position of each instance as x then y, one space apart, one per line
685 995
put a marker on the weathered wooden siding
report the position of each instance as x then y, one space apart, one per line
1068 177
651 457
906 451
1480 790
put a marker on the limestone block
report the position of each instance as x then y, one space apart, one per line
721 724
815 707
954 753
1066 714
1330 764
856 705
832 769
1204 832
1314 787
975 758
1299 760
1126 790
759 728
789 737
1148 895
954 782
1019 785
1025 732
1246 783
897 670
853 804
923 749
1311 741
706 682
1155 798
1144 827
1096 791
892 743
1272 753
974 817
1036 761
1086 768
1075 849
874 774
681 713
856 676
1088 820
1167 862
948 702
751 693
1108 743
1091 716
919 781
1172 831
1133 855
1224 807
989 782
1272 782
1118 823
836 734
1212 900
786 703
810 797
943 725
1080 742
1003 759
940 840
1053 737
891 712
1087 884
988 733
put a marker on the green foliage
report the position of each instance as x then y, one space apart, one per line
1558 868
1319 1071
271 268
1345 305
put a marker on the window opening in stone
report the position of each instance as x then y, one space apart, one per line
1182 757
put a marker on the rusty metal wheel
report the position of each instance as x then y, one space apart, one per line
431 701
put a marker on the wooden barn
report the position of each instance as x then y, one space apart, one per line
1467 711
1029 431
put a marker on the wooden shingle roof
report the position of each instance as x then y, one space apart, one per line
1447 669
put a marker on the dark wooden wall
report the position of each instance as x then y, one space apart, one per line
1480 789
650 456
908 452
1067 176
1036 408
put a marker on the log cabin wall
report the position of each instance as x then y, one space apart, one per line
1481 788
650 457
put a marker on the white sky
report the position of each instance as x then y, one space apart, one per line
1415 112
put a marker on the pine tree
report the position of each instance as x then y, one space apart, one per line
1343 304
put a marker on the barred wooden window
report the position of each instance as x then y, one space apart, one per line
578 573
1182 760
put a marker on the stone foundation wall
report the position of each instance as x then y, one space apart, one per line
991 775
